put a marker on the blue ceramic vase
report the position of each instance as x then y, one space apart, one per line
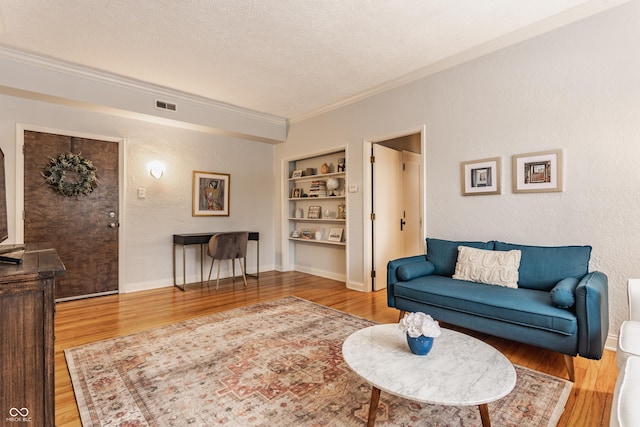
420 345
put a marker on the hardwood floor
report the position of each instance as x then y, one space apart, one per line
85 321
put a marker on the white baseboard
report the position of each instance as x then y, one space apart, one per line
322 273
145 286
611 343
358 286
225 272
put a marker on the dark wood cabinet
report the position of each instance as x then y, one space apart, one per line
27 309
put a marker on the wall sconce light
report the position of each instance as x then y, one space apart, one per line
156 169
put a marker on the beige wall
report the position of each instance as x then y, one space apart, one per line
576 88
148 224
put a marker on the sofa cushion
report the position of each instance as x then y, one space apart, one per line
443 254
541 267
415 269
490 267
527 307
563 294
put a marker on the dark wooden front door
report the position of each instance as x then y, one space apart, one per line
83 229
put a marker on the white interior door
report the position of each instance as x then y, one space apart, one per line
387 206
412 202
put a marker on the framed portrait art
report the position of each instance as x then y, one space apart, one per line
537 172
480 177
210 194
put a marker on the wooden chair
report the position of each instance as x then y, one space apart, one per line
231 246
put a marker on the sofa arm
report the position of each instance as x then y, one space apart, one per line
592 311
392 273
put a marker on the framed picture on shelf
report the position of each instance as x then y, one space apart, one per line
314 212
296 193
210 194
480 177
297 174
307 234
335 235
537 172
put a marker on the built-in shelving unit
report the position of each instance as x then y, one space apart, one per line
315 211
317 195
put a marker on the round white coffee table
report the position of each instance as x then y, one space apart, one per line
459 371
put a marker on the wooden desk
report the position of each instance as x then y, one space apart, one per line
202 239
27 309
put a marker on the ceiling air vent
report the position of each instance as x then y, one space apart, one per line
164 105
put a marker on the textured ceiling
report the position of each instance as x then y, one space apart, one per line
288 58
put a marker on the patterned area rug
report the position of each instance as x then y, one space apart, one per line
272 364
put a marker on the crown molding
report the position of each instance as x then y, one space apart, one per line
562 19
59 66
20 93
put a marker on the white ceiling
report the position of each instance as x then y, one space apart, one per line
288 58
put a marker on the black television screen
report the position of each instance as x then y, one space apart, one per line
4 225
4 221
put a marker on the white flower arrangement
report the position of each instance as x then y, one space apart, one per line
416 324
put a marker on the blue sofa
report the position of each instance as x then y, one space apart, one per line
558 304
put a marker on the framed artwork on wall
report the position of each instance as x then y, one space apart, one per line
480 177
210 194
537 172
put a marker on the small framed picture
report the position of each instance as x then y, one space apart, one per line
307 234
537 172
314 212
210 194
335 235
297 174
296 193
480 177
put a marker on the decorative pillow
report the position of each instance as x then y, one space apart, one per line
563 295
444 253
489 267
415 269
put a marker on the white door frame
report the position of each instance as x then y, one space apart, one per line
19 228
367 187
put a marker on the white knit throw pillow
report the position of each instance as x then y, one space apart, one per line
489 267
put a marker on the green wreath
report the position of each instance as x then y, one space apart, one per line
55 175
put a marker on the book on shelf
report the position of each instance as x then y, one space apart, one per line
318 189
